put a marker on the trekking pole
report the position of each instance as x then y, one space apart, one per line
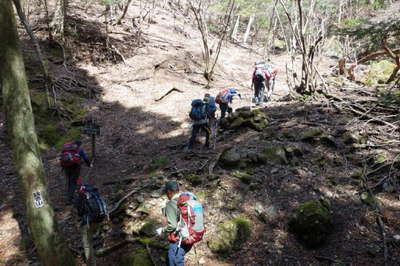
90 169
195 255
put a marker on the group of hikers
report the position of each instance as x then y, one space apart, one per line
203 111
183 211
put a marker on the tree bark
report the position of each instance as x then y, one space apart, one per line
47 78
124 13
235 29
58 22
21 130
246 34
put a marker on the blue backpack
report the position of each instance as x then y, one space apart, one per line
198 111
211 106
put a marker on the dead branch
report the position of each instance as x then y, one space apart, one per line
213 164
378 216
168 92
105 251
119 20
367 58
118 204
126 180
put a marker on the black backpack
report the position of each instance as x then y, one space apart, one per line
259 76
91 206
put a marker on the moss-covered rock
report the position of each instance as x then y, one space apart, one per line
230 236
378 72
328 141
244 117
194 179
139 257
351 138
368 199
312 222
310 134
237 123
273 154
230 158
380 158
243 176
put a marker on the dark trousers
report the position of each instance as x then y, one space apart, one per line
72 174
224 108
195 131
259 93
176 255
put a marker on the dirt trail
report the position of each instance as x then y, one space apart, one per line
135 129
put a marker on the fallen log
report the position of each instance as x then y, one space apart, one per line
168 92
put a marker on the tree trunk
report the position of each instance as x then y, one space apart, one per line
21 130
235 29
124 12
58 22
47 78
246 34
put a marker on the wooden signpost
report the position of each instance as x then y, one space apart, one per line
92 129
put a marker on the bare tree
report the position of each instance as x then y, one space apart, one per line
47 78
308 32
249 24
199 10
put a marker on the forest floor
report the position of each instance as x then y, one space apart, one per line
142 144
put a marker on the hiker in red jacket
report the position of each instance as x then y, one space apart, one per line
70 160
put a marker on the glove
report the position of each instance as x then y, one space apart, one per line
159 231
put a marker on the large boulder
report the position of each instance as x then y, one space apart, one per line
139 257
312 222
230 236
246 118
230 158
273 154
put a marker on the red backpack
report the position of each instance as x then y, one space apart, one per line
70 154
190 228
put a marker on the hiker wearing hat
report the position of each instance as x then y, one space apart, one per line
71 157
224 98
201 113
185 226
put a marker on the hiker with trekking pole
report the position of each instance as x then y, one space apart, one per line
263 82
224 98
201 113
185 227
70 159
92 210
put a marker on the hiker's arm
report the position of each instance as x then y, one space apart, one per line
171 214
84 156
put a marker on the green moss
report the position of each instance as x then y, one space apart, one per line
380 158
149 228
158 163
50 134
368 199
273 154
139 257
310 134
230 236
243 176
312 222
146 241
201 195
378 72
238 122
194 179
